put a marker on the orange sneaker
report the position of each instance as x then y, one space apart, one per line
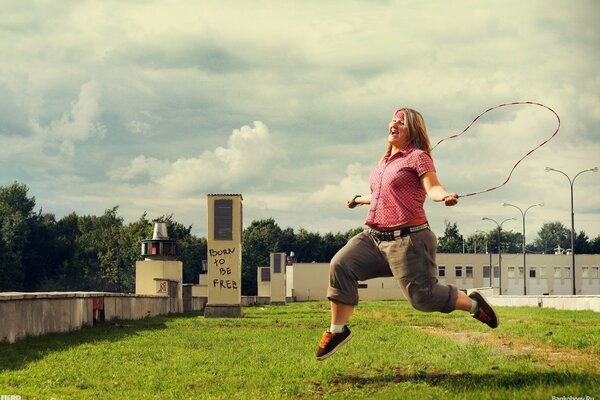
330 342
485 313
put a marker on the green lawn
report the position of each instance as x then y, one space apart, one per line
396 353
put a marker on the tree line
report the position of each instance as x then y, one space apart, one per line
39 252
552 237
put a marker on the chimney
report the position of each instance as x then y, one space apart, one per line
160 247
160 231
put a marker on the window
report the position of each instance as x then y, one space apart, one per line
556 272
532 272
362 286
265 274
585 271
521 272
595 271
486 271
469 271
277 263
543 272
458 270
223 219
511 272
442 271
496 272
567 272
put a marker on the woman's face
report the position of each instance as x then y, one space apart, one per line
398 131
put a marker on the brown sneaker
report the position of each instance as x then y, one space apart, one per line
330 342
485 313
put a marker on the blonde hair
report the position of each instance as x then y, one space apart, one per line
417 132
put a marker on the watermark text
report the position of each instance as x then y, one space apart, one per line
572 398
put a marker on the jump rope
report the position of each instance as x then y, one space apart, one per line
522 158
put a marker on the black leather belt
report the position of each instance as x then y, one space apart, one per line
392 235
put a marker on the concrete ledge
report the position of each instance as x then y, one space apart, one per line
591 302
255 300
39 313
223 311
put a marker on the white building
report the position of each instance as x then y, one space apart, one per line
546 274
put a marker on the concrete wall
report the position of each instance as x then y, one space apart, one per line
579 302
264 287
310 281
147 271
278 269
33 314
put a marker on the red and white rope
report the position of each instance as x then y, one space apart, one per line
519 161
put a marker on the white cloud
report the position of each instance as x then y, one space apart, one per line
249 155
334 195
137 100
80 123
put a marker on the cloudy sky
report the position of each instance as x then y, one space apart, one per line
151 105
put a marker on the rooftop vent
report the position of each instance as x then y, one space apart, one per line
160 247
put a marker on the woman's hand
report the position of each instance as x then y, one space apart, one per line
436 191
358 200
451 199
352 202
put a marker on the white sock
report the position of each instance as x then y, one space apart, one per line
336 328
474 306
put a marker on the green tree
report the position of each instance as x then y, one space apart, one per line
308 246
16 220
332 243
512 242
99 260
582 243
130 240
260 239
595 245
551 236
451 241
44 253
478 242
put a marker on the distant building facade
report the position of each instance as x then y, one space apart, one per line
547 274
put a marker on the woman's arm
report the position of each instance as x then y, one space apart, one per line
358 201
436 191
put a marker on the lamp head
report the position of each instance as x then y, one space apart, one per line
595 169
548 169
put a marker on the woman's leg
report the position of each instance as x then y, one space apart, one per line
340 313
463 302
359 260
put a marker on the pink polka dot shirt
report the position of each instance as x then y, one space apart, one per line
397 195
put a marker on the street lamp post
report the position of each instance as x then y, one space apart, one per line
489 251
499 251
571 182
524 256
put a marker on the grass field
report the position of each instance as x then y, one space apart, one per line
396 353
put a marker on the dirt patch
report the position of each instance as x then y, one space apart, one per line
517 348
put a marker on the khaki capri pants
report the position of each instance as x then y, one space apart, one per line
410 259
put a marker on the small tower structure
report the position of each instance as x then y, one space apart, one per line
160 273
